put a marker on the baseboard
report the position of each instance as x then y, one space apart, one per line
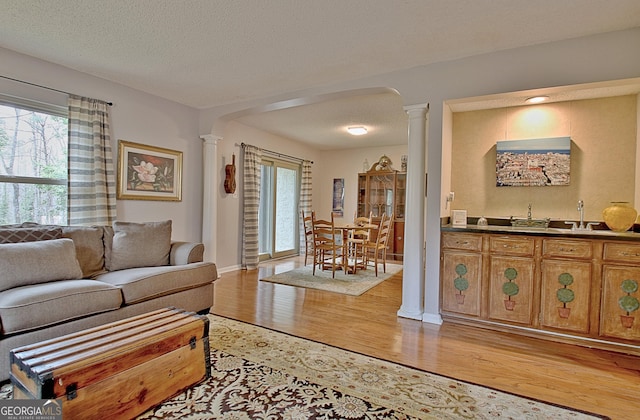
432 318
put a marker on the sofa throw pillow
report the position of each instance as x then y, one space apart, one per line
89 248
29 233
26 263
138 245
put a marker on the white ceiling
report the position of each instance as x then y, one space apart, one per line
204 53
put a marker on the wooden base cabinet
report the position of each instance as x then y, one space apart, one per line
566 295
582 291
461 286
620 295
462 273
511 289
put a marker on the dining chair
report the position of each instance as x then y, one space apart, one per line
325 244
356 239
307 225
378 248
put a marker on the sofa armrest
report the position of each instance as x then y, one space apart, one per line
186 253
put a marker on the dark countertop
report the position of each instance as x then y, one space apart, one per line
549 232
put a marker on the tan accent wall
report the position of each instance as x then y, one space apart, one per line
603 157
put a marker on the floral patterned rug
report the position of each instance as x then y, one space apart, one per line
257 373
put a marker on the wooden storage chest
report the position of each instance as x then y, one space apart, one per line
117 370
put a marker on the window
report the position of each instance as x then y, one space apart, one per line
33 162
278 212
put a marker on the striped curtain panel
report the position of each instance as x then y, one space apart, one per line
305 197
91 177
252 157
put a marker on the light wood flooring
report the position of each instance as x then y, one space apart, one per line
587 379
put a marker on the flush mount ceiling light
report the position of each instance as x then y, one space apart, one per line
357 131
536 99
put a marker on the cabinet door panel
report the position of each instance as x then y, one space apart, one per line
461 282
618 317
511 289
566 289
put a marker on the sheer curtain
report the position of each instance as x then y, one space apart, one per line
252 157
92 185
305 197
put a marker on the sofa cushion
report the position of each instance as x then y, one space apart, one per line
31 307
28 233
138 245
88 241
37 262
140 284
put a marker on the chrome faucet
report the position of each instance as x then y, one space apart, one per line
581 210
575 226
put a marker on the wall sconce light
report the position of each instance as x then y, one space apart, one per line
537 99
357 131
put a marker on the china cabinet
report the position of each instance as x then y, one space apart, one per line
381 190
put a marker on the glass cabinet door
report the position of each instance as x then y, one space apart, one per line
401 187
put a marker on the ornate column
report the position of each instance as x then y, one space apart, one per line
413 274
209 196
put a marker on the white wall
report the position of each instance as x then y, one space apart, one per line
136 117
347 164
229 245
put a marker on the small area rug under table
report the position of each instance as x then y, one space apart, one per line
347 284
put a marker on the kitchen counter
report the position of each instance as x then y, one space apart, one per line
547 232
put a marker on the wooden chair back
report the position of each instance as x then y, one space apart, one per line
307 225
325 243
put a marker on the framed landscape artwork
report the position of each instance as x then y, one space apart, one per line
148 172
533 162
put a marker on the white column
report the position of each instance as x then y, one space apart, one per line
413 273
209 196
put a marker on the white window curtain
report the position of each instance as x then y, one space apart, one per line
305 198
92 185
251 158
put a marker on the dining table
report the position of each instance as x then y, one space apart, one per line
346 228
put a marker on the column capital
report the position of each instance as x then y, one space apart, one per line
210 138
416 109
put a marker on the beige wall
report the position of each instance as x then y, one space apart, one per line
603 157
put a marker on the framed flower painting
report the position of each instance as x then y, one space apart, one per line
148 172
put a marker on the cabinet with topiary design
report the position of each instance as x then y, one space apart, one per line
574 289
566 285
511 289
511 279
462 274
620 317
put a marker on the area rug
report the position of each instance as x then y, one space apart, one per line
257 373
347 284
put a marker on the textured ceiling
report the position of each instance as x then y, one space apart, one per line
204 53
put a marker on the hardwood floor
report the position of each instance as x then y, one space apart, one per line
587 379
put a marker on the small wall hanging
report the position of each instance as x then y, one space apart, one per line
230 180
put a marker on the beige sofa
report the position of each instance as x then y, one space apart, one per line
55 280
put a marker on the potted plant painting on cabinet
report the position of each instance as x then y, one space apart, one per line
510 288
564 294
460 283
628 303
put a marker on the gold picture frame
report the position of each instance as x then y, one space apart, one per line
148 172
